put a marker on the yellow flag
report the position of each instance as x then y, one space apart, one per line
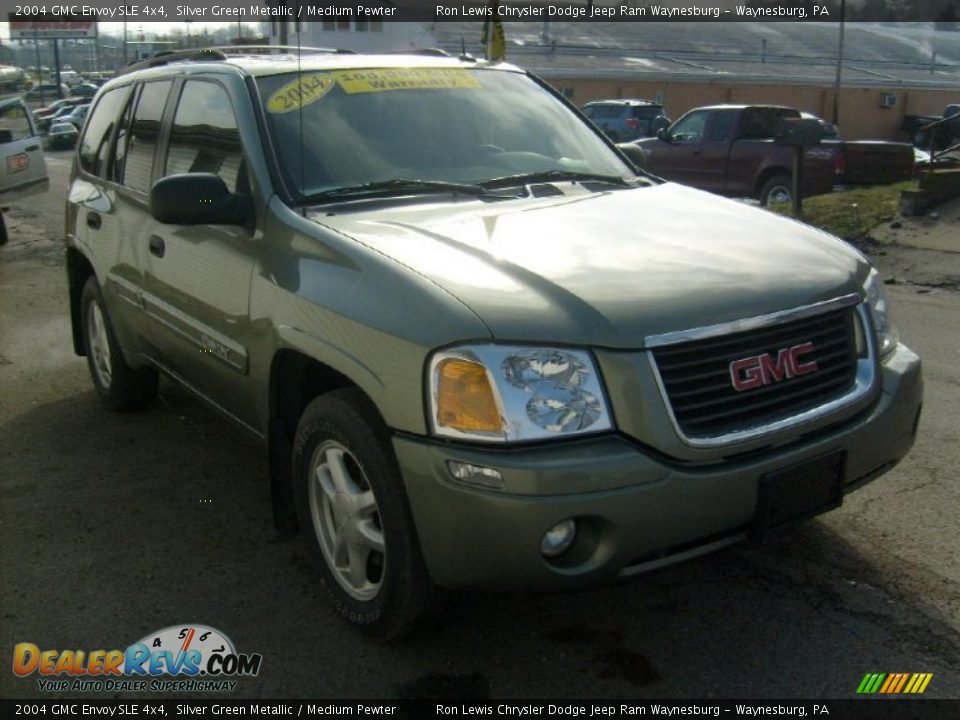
493 38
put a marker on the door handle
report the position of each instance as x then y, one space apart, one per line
93 220
157 246
30 148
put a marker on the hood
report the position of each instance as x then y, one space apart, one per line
607 269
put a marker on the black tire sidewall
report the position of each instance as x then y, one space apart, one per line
770 184
343 417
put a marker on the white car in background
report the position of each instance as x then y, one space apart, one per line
23 170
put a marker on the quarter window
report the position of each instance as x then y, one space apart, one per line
144 135
95 145
204 137
14 120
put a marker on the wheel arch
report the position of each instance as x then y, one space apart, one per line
79 268
296 379
766 174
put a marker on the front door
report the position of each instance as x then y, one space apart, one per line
197 277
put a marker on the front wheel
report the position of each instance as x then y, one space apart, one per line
778 189
352 505
120 386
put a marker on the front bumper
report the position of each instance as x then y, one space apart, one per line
636 510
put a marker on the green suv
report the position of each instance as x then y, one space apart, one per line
480 348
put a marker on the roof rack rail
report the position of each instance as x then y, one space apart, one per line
208 54
259 49
165 57
430 51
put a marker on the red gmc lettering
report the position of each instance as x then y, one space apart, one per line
759 370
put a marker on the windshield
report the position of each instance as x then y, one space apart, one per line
447 125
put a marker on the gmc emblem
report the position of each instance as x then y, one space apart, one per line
759 370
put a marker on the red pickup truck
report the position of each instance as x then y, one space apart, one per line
730 150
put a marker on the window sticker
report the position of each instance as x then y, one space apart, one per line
300 92
308 89
364 81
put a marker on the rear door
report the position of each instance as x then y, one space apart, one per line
102 220
23 170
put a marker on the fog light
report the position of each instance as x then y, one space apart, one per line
558 538
476 474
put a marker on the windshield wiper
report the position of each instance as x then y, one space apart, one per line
399 186
552 175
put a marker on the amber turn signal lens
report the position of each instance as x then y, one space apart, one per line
465 399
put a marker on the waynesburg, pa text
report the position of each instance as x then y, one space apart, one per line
630 12
573 710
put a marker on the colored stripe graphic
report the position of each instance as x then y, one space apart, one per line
894 683
870 683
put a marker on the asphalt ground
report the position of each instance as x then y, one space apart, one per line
115 526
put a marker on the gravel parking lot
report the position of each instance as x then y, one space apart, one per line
114 526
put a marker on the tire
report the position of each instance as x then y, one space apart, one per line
355 518
3 230
778 188
120 387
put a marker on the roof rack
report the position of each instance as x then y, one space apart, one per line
165 57
431 52
260 49
214 54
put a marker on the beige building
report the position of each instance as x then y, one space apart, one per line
888 70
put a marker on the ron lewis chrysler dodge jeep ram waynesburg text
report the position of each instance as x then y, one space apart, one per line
483 351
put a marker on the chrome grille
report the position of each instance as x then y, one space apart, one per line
696 374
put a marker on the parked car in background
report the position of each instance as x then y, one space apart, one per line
84 90
47 91
481 349
866 162
23 170
625 120
916 127
44 115
828 131
70 77
62 136
78 116
730 150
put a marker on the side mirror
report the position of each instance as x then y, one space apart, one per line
197 199
6 136
663 134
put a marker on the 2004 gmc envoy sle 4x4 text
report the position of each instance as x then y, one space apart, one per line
481 349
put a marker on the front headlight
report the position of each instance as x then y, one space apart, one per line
879 304
498 393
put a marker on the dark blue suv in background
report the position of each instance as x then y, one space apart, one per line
626 120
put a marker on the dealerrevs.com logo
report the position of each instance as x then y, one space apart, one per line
180 658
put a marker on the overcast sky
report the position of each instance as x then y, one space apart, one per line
108 28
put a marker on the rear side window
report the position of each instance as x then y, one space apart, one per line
95 145
647 112
763 123
144 135
204 136
606 112
14 120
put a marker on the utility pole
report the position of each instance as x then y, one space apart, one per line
836 86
